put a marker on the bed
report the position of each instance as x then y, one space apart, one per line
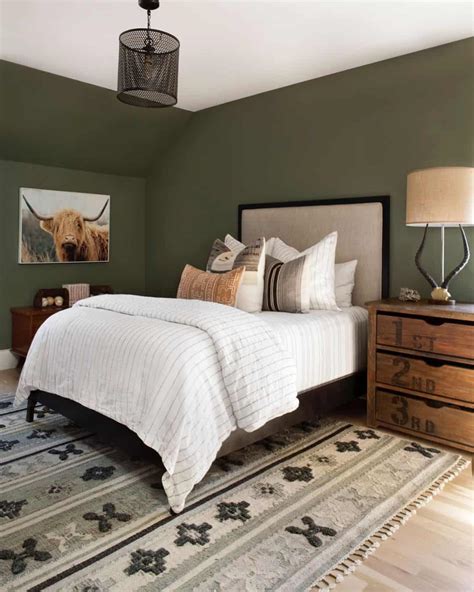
247 375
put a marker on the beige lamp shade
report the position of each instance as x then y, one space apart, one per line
441 196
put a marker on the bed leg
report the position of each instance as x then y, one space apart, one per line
30 408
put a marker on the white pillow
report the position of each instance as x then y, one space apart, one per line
250 294
269 245
283 251
344 282
233 244
321 263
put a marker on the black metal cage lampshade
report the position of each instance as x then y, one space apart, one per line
148 67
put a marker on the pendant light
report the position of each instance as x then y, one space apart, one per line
148 65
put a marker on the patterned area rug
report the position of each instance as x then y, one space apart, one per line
296 511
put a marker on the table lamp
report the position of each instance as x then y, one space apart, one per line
443 197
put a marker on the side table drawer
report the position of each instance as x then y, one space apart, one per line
426 376
36 323
26 321
445 421
429 335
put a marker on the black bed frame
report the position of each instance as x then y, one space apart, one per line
324 398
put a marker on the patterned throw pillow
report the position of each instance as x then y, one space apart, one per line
284 286
321 262
224 257
196 284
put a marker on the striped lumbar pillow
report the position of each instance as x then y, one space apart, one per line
284 287
321 263
224 257
213 287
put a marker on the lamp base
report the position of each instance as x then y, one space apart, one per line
440 294
443 302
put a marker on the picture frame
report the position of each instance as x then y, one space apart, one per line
63 227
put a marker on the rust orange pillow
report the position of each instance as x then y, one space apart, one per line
212 287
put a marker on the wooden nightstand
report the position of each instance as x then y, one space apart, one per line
25 322
421 370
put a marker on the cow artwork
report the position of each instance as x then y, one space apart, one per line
63 227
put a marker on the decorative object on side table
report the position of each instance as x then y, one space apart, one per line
77 292
409 295
56 297
421 370
441 196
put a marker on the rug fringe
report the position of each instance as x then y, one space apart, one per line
350 563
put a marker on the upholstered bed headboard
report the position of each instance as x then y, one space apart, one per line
363 234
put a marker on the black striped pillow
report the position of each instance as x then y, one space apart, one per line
283 285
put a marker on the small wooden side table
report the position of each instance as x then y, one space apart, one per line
25 322
421 370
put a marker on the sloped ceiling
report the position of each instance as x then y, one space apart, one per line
56 121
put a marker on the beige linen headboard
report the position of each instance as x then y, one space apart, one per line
362 224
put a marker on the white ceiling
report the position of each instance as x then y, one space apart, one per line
229 48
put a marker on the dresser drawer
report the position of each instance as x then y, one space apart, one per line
36 323
426 376
429 335
445 421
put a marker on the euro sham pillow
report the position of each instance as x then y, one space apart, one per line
321 269
223 288
224 257
284 289
345 282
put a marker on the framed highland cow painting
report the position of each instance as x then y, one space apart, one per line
63 227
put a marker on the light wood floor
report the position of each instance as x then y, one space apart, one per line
433 552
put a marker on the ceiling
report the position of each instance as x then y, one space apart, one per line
229 48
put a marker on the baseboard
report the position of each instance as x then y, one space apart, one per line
7 360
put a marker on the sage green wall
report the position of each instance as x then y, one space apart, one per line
126 269
57 121
354 133
47 122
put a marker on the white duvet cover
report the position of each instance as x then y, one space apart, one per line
326 344
182 374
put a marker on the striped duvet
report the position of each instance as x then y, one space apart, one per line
182 374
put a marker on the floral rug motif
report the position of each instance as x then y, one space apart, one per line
296 511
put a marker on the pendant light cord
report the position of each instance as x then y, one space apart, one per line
148 40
